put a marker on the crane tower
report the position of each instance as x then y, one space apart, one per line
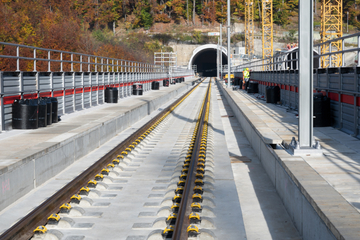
331 27
249 28
267 29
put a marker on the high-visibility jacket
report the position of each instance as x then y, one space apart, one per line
246 74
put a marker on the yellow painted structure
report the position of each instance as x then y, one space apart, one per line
331 27
267 31
249 27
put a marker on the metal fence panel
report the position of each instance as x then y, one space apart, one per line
68 80
78 101
69 104
57 80
29 81
322 78
11 82
333 78
335 113
347 118
44 81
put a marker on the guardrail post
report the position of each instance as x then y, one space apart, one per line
61 63
80 63
34 59
97 84
356 108
358 52
52 84
21 85
64 90
2 112
17 59
83 91
49 62
356 117
74 90
72 62
343 54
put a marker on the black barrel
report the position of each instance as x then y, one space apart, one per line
253 87
48 111
173 81
111 95
269 93
42 112
54 114
166 82
321 111
25 114
155 85
137 89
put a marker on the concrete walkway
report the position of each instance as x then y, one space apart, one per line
264 214
320 193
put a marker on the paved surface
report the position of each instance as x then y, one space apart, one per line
340 163
135 199
264 214
329 183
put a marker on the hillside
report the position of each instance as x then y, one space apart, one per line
130 29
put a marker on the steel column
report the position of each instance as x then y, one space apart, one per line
305 73
228 41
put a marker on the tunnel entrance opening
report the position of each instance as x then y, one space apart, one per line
205 61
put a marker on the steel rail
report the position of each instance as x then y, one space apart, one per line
23 229
182 221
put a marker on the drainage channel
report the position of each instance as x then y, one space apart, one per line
95 187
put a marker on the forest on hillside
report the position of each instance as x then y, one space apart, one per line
86 25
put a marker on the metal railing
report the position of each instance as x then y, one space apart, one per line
340 84
77 80
93 63
289 60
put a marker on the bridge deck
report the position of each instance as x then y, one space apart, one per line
325 187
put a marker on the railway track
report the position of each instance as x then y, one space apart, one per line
100 175
190 185
171 179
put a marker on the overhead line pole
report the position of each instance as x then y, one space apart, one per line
221 51
228 41
217 58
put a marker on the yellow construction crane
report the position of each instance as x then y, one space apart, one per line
331 27
249 28
267 30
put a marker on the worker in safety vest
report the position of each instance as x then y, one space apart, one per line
246 76
243 82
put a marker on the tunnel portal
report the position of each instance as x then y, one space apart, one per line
205 60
